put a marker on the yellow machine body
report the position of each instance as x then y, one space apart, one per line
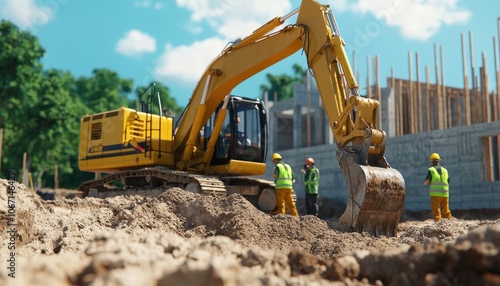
120 139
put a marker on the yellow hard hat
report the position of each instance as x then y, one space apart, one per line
277 156
435 156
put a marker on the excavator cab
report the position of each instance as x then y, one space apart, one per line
243 133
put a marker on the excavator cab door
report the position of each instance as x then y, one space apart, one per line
243 134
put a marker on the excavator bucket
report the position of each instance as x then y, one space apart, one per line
375 197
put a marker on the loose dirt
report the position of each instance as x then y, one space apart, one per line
182 238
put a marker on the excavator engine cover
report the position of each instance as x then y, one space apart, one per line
375 197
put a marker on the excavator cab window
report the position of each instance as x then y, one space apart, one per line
243 133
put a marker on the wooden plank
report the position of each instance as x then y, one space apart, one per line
418 99
378 91
1 140
443 93
485 91
411 105
466 85
56 177
487 162
428 99
494 102
438 90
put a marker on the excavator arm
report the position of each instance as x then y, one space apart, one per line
234 65
375 191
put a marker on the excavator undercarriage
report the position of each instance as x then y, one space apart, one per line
145 182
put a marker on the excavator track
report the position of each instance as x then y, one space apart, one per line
144 181
260 192
151 177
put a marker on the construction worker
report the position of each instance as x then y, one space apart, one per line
284 179
311 184
241 138
439 182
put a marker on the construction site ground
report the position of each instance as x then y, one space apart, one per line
183 238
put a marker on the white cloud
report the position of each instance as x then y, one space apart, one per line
27 13
193 29
148 3
158 6
418 20
339 5
142 3
235 18
187 63
231 19
135 43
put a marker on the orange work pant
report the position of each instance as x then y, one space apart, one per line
440 208
284 196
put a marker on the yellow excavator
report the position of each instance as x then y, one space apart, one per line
219 142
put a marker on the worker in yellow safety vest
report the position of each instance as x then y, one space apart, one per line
439 188
284 179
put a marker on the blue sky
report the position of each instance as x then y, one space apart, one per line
173 41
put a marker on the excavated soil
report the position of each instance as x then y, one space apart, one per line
182 238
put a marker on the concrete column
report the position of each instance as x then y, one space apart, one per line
297 126
273 126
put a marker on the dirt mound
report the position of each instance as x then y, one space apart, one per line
182 238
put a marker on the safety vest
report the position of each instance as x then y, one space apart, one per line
311 181
439 186
285 176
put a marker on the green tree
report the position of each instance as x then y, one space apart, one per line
283 84
104 90
54 141
20 78
40 111
168 103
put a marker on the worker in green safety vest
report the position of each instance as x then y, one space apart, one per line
439 188
284 179
311 185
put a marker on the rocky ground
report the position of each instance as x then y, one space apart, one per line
181 238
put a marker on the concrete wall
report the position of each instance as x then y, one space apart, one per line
461 151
